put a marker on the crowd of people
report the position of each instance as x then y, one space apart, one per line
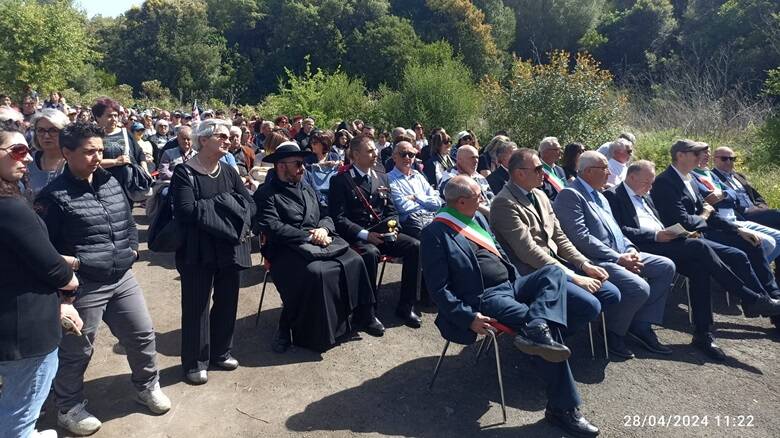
542 240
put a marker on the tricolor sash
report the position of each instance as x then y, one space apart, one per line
468 228
552 178
705 176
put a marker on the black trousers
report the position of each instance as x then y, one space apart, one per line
702 259
207 335
754 253
769 217
406 247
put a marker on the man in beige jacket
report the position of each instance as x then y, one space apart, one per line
525 225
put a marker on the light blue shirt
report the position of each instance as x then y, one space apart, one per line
606 216
402 186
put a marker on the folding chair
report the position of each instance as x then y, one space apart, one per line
590 336
683 281
490 338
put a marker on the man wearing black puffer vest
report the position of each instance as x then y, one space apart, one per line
90 222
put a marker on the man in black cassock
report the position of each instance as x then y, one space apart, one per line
360 205
318 296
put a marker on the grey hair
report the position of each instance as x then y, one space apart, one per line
462 150
7 113
548 143
492 147
398 131
618 144
519 158
235 130
267 124
206 129
457 187
628 136
589 159
638 166
54 116
398 145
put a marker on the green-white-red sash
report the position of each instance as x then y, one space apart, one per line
553 179
468 228
705 176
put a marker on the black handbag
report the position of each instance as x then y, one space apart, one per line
311 252
166 234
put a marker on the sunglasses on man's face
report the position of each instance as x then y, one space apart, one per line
733 159
407 154
17 152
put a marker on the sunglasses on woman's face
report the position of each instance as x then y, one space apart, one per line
17 152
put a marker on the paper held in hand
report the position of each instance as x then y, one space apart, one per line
677 229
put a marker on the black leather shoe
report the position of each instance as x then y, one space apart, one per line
764 306
706 343
649 340
282 341
617 346
373 327
572 422
409 318
536 340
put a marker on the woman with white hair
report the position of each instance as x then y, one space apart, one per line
215 249
48 161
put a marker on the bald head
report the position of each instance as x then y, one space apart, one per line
724 159
467 159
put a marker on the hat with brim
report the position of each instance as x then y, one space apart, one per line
462 134
285 150
688 146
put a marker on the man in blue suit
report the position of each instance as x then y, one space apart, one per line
644 280
473 284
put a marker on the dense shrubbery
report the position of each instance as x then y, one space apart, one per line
579 104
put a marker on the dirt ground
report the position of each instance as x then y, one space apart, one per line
378 386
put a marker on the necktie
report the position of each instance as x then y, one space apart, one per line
612 226
647 210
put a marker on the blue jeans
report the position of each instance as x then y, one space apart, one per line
26 384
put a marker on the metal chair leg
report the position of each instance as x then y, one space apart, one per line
498 372
381 275
687 285
438 365
487 341
728 299
482 344
604 325
590 337
262 295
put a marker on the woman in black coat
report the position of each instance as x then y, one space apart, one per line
214 206
31 272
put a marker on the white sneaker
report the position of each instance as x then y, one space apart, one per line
154 399
48 433
78 420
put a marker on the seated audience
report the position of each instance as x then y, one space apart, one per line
414 199
359 204
643 279
499 174
571 154
554 175
439 162
524 223
620 152
696 258
323 166
466 164
473 284
319 296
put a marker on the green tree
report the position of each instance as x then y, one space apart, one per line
545 25
502 21
170 41
41 44
381 49
635 36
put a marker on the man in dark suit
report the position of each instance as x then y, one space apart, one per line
360 205
750 203
554 176
696 258
678 201
500 175
473 284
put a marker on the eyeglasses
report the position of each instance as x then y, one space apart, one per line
17 152
733 159
297 163
220 136
407 154
537 169
40 132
